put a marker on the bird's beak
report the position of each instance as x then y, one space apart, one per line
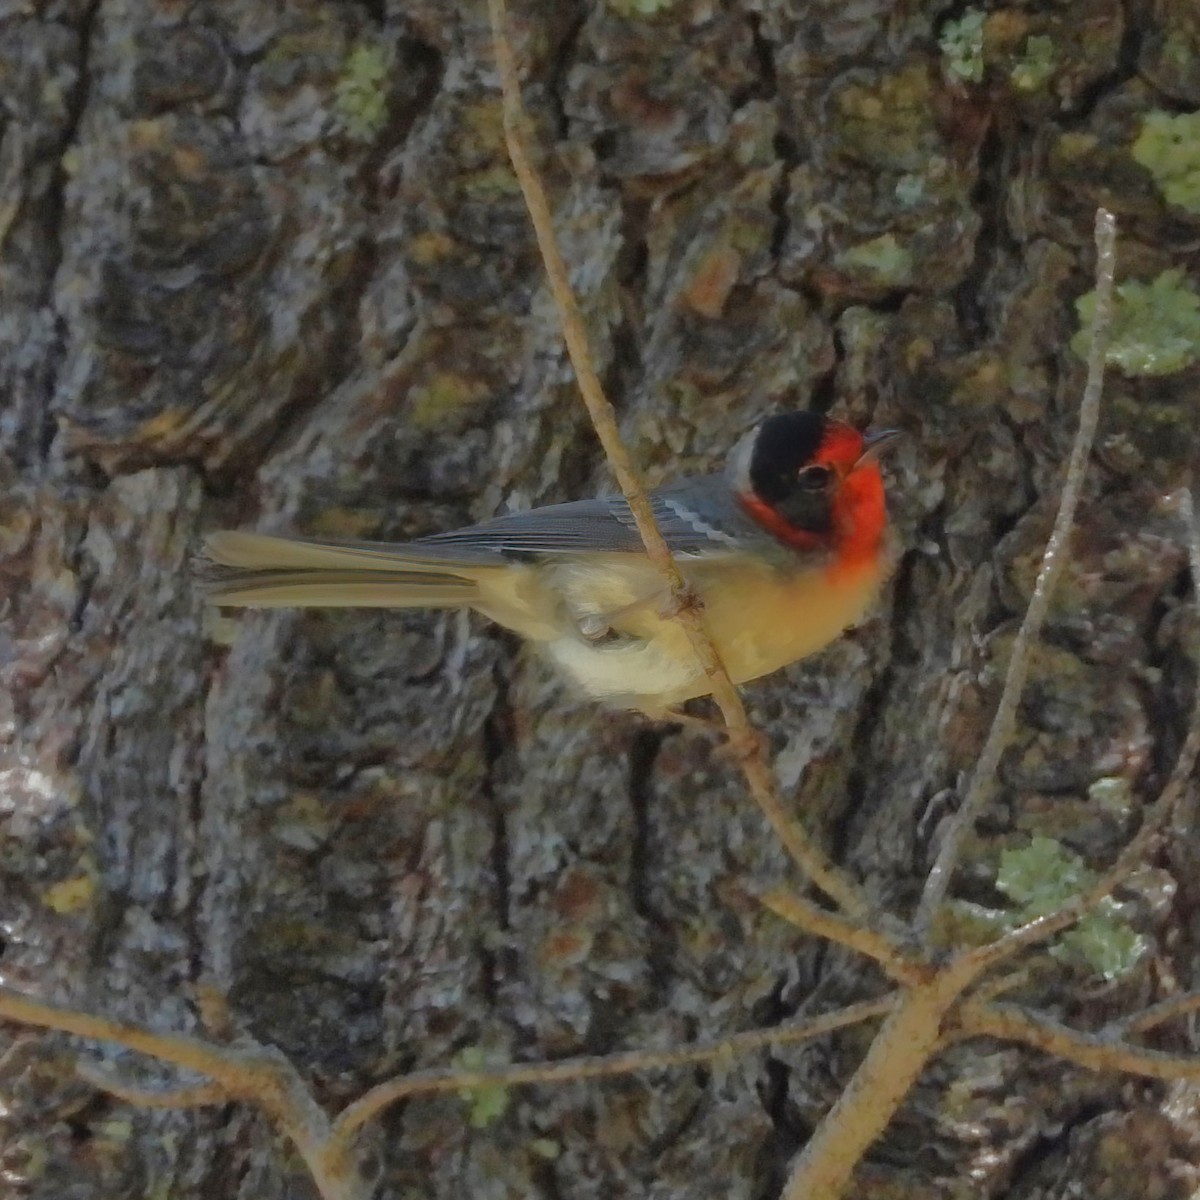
877 442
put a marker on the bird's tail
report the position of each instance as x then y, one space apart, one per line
260 571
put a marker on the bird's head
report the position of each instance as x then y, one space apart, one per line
814 483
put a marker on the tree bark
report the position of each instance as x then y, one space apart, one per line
267 265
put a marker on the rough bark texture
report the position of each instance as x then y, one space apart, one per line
266 264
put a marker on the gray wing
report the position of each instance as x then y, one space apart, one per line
699 518
696 516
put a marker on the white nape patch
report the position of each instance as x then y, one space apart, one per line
623 671
699 524
737 469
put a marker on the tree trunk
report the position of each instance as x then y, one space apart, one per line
267 266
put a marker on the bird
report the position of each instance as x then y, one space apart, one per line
786 549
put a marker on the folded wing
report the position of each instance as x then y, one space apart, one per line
446 569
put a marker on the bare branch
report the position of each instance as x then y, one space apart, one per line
267 1080
1053 561
686 608
889 954
1096 1051
1139 848
257 1075
904 1045
914 1031
200 1095
1158 1014
999 984
236 1072
354 1116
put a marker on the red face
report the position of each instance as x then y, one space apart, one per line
857 498
814 486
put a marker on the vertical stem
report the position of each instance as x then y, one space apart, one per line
1053 561
902 1047
687 610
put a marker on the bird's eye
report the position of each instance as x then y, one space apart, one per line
815 478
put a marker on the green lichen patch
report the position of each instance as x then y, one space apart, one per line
636 9
961 44
1043 876
487 1104
1035 66
1168 146
883 257
1109 945
1156 325
360 97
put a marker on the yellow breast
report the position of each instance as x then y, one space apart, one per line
760 617
775 619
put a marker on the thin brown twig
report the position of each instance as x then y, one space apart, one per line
914 1031
265 1079
989 989
1183 1005
1097 1051
234 1070
1040 929
1142 844
900 965
200 1095
907 1040
256 1075
573 1070
1053 561
685 607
